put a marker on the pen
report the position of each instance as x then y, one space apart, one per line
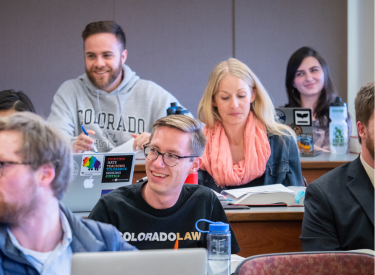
84 130
142 179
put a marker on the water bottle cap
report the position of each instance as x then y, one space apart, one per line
218 227
171 111
338 102
214 226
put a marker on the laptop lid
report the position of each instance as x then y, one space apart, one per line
158 262
95 175
300 120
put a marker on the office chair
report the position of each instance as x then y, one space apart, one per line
306 263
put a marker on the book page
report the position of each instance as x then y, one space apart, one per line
272 188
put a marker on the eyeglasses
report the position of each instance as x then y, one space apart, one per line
5 163
168 158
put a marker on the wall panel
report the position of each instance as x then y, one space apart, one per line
267 33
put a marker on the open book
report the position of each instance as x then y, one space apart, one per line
274 194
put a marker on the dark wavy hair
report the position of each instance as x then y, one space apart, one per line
328 92
17 100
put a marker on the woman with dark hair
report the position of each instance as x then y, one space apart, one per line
14 101
308 84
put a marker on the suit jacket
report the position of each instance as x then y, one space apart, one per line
339 210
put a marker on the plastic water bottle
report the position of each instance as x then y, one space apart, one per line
338 128
218 246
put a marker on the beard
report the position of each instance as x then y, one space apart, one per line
370 145
102 83
13 213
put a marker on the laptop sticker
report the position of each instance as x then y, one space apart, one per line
302 117
91 165
117 168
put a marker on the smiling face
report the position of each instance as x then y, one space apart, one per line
18 186
309 78
164 180
104 58
233 100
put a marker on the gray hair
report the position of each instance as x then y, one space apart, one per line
185 124
42 144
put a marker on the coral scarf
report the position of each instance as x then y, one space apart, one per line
217 157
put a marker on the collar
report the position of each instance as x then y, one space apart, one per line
369 170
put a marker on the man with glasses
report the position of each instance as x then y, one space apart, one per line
37 234
162 212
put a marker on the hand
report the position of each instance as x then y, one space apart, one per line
139 140
316 147
83 142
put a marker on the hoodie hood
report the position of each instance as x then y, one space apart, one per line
130 78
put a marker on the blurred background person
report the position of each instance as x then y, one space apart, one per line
12 101
245 145
309 85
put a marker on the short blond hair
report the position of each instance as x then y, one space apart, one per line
42 144
262 106
197 142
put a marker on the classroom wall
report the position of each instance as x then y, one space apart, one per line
360 50
174 43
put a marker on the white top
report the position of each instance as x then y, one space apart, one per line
56 262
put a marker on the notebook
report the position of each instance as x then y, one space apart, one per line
96 174
157 262
300 120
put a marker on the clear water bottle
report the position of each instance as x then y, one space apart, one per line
338 128
218 246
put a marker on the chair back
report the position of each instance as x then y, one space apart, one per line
306 263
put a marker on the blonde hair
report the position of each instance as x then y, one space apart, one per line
185 124
262 106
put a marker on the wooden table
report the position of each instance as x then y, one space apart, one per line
312 167
262 230
315 167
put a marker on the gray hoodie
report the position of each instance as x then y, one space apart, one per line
130 109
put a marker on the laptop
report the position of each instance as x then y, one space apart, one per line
96 174
300 120
158 262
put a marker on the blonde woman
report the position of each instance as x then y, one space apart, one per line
245 146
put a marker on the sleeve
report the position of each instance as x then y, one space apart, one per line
319 232
62 114
218 214
294 176
122 244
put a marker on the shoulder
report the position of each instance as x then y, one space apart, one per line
67 85
122 193
199 191
282 143
331 182
151 87
107 234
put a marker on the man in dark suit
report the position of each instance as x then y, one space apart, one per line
339 206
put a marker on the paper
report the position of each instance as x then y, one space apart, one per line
272 188
235 260
127 147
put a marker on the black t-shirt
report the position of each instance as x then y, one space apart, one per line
148 228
